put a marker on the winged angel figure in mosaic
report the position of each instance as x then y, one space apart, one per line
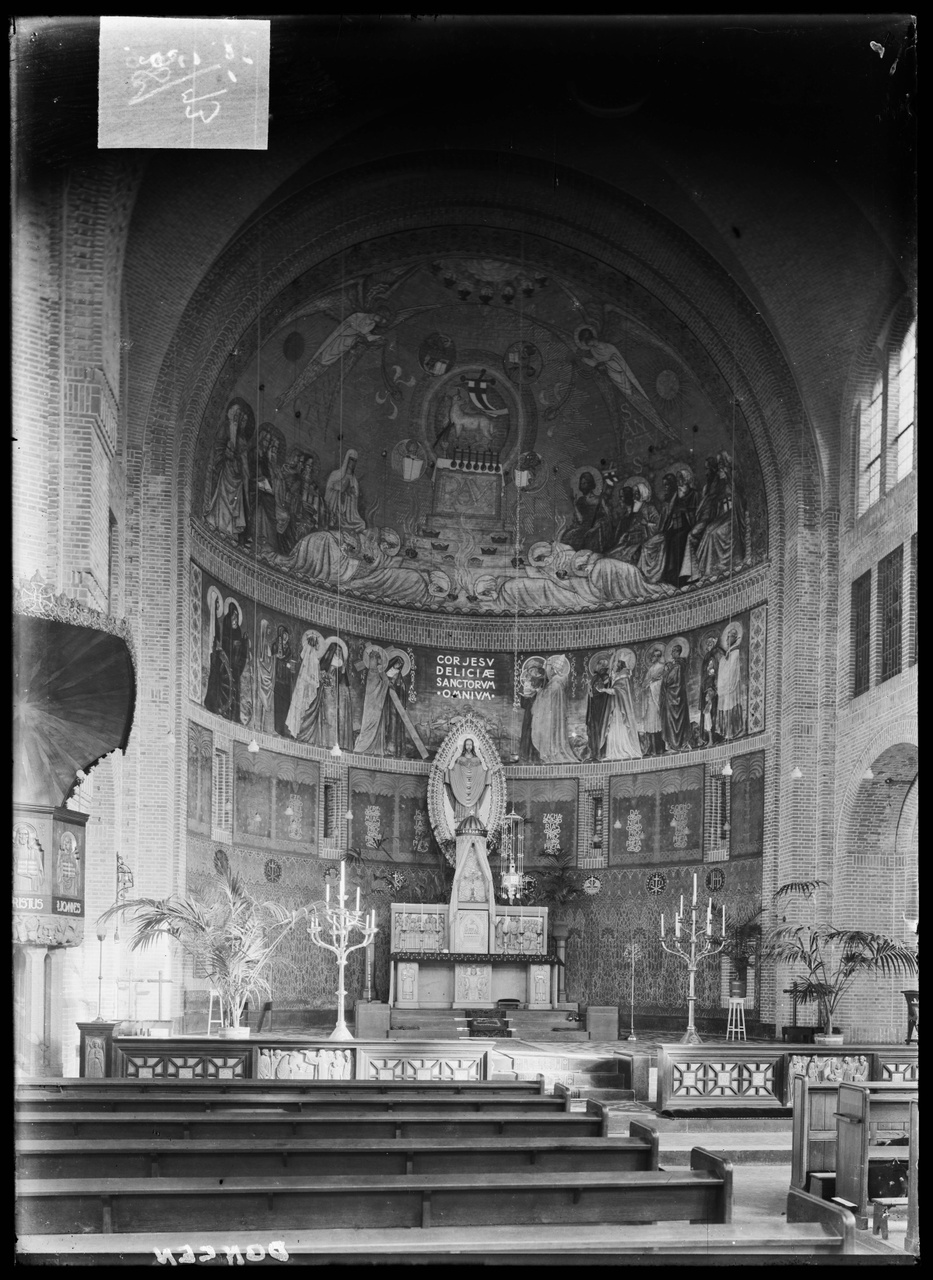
363 315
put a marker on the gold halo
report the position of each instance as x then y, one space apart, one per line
731 626
608 654
594 471
684 644
393 652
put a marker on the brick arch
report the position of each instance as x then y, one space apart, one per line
583 216
724 325
873 809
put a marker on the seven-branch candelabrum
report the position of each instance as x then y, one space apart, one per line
693 943
333 934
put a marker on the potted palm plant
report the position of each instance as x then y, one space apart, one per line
229 935
832 959
559 887
743 946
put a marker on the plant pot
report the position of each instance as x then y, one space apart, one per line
738 988
827 1040
233 1033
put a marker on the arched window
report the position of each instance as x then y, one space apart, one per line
886 417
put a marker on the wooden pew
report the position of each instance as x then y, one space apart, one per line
126 1086
813 1153
912 1239
866 1115
700 1194
346 1123
233 1157
580 1245
207 1100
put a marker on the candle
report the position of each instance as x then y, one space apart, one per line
343 876
724 919
709 914
694 889
681 904
327 893
357 899
677 926
662 924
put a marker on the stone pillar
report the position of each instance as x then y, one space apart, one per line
559 932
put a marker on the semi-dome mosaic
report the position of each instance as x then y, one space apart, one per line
479 436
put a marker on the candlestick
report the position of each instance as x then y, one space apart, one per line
340 923
697 945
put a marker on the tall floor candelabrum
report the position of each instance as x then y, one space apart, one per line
693 945
340 922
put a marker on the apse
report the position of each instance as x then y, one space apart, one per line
519 435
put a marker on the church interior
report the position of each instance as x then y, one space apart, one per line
465 635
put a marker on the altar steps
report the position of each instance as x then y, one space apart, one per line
428 1024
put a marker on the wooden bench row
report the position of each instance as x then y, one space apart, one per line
124 1085
591 1123
233 1157
813 1155
814 1228
321 1104
702 1193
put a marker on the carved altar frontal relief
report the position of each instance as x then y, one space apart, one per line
471 931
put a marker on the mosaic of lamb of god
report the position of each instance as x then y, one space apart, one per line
478 436
257 667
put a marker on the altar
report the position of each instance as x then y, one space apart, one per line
472 951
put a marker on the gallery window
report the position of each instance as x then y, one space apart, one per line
861 634
221 795
887 418
890 595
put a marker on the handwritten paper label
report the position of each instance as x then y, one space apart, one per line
193 83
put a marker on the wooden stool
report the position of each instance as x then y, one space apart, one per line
735 1028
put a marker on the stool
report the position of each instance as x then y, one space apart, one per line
735 1028
211 1017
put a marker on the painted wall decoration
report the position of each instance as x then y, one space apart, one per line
276 799
747 805
200 759
550 808
628 702
656 817
480 436
390 816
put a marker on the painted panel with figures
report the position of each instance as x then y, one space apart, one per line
553 457
631 701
